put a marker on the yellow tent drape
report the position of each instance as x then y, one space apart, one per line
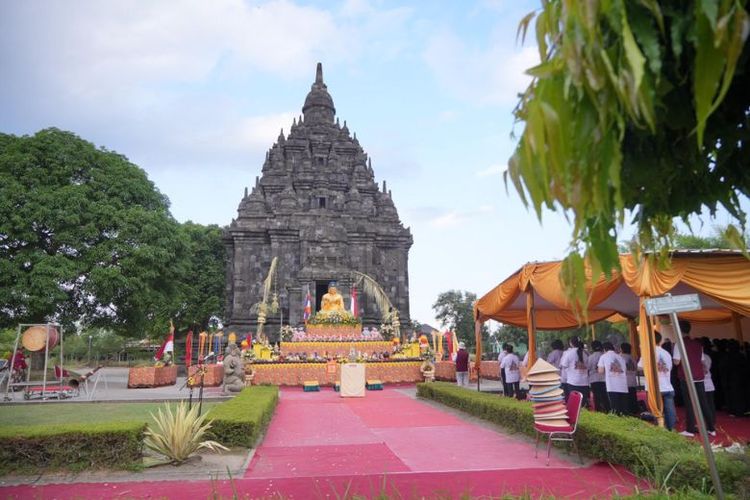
725 278
633 331
531 322
648 356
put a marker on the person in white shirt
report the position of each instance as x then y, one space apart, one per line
663 372
554 358
500 357
596 379
613 368
631 373
574 363
511 366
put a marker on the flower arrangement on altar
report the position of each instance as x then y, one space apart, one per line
387 331
247 354
300 335
335 318
287 333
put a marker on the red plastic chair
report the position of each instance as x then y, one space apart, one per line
562 433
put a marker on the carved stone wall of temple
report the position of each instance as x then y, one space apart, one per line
317 207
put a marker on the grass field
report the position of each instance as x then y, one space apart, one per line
59 413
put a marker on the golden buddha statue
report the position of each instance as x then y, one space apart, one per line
332 302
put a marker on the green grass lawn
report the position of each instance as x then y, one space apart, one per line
59 413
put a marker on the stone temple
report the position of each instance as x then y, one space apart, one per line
317 207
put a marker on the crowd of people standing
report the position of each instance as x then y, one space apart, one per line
607 376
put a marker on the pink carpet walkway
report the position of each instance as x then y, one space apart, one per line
320 445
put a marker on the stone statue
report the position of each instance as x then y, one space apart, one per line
428 370
332 302
234 369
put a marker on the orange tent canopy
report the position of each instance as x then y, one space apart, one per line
533 297
720 278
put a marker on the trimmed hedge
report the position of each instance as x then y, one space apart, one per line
70 446
646 450
240 421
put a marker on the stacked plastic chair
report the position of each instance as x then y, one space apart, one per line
552 416
546 395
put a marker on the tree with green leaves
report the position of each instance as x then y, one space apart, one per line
85 237
202 277
717 240
512 334
637 109
454 310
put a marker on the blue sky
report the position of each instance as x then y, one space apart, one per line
195 92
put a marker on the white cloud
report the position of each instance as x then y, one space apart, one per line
91 46
480 75
259 132
155 78
457 217
492 170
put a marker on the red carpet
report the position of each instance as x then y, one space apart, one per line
314 461
595 481
728 429
320 445
408 413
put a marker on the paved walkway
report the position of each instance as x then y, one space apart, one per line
320 445
113 386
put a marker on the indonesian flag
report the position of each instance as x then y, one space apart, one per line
168 345
308 307
354 306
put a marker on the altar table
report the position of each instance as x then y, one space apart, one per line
352 380
446 370
389 372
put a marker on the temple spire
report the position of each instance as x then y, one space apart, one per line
318 107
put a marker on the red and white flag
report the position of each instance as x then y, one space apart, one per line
308 307
168 345
354 306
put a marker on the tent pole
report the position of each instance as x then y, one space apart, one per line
737 323
12 365
478 356
531 325
653 380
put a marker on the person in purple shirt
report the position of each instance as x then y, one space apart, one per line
694 351
462 365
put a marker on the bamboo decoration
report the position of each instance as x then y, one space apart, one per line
263 308
372 289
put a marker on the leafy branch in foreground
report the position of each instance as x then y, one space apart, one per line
636 107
